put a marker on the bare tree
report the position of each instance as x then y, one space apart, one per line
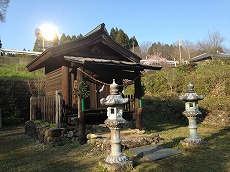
3 7
144 47
227 50
37 86
212 44
190 50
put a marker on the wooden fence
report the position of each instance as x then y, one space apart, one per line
48 108
129 106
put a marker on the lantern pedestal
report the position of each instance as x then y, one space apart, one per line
121 166
116 161
193 139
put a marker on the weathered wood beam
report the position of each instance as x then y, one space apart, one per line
73 86
65 84
81 114
137 97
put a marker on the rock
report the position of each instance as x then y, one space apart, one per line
141 132
53 139
74 139
91 141
55 132
73 120
51 136
69 134
94 136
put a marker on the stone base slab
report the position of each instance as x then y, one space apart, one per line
193 143
123 166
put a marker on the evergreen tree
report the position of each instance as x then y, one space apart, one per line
63 38
80 36
0 43
133 43
122 38
73 37
113 33
68 39
36 45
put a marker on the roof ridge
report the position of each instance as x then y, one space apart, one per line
99 27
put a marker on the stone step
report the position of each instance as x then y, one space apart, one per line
154 152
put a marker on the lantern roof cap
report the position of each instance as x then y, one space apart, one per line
191 95
114 98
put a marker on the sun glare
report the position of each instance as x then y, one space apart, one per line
48 31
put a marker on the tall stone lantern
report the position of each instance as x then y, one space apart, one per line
191 111
115 160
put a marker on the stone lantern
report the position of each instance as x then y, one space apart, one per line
115 160
191 111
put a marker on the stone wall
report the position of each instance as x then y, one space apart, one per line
131 138
51 136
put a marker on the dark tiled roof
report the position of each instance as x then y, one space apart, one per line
201 57
206 56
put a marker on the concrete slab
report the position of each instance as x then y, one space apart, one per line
144 150
163 153
154 152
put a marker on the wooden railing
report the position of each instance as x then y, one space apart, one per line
48 108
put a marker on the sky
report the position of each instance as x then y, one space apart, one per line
164 21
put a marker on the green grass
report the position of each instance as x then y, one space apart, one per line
19 72
22 153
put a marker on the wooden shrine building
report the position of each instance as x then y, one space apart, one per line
97 59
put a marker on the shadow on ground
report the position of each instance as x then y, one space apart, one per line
22 153
212 157
164 114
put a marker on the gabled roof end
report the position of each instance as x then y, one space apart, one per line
100 27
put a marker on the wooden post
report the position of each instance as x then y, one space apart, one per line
60 101
73 85
81 115
31 110
58 109
137 97
65 84
0 118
